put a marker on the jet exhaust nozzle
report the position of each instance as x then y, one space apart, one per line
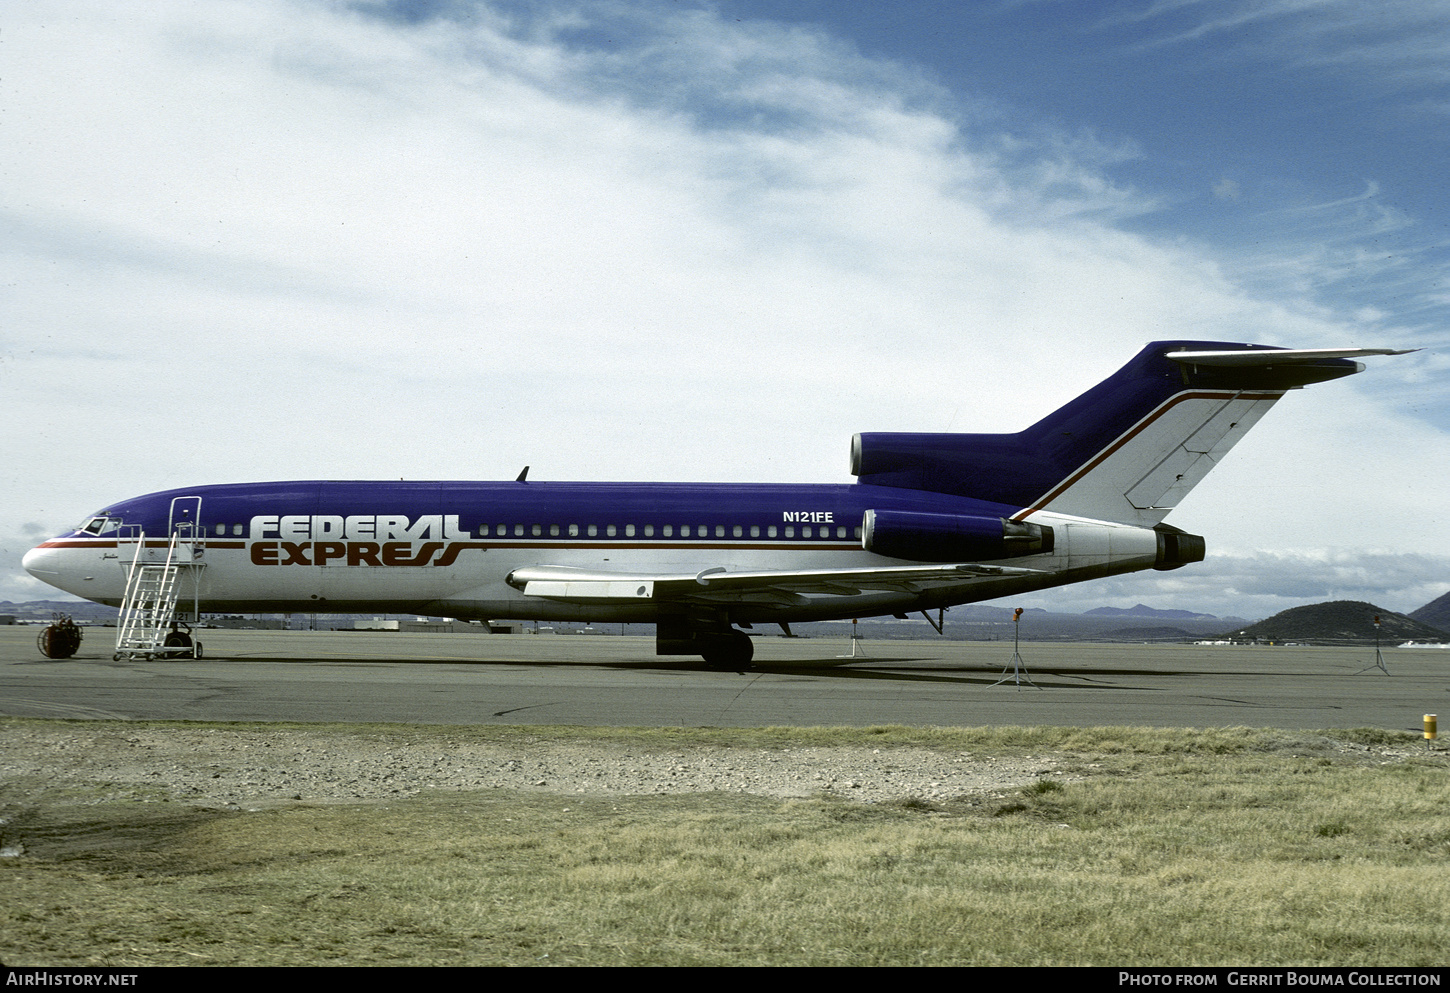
1177 548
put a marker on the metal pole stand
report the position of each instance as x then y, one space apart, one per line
854 641
1379 660
1019 671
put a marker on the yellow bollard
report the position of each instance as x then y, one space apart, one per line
1429 727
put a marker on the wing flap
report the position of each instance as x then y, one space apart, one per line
593 590
564 583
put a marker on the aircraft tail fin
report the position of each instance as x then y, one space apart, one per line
1127 450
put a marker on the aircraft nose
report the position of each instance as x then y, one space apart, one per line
66 569
42 563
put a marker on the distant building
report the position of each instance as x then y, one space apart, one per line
236 622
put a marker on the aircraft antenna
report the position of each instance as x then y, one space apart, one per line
1019 670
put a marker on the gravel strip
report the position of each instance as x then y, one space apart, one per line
224 767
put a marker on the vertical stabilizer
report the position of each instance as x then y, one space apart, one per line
1127 450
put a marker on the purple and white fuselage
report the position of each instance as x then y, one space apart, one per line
933 520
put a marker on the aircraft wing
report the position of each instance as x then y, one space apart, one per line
719 584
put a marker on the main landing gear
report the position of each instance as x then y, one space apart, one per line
722 646
729 651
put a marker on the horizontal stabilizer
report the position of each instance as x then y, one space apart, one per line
1242 358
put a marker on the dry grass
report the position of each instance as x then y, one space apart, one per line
1180 847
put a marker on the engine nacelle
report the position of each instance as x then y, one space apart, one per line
902 534
1177 548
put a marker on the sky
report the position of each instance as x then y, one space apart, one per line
710 241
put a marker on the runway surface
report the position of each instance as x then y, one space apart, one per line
604 680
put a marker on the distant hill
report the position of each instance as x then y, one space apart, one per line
1436 613
1337 622
1143 610
40 610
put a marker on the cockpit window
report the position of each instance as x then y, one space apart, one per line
101 525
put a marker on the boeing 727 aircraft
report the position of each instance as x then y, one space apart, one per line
932 520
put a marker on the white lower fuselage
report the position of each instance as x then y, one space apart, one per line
432 564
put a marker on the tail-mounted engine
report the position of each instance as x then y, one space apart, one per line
1177 547
922 537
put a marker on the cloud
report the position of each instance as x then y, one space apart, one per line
1227 189
1256 585
1389 47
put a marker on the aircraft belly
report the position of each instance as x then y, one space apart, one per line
473 584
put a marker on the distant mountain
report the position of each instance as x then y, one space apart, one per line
1436 613
81 610
1337 622
1143 610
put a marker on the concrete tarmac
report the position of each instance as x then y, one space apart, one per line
471 678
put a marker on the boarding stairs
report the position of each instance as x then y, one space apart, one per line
148 627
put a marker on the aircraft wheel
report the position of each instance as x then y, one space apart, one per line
197 653
731 651
116 657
